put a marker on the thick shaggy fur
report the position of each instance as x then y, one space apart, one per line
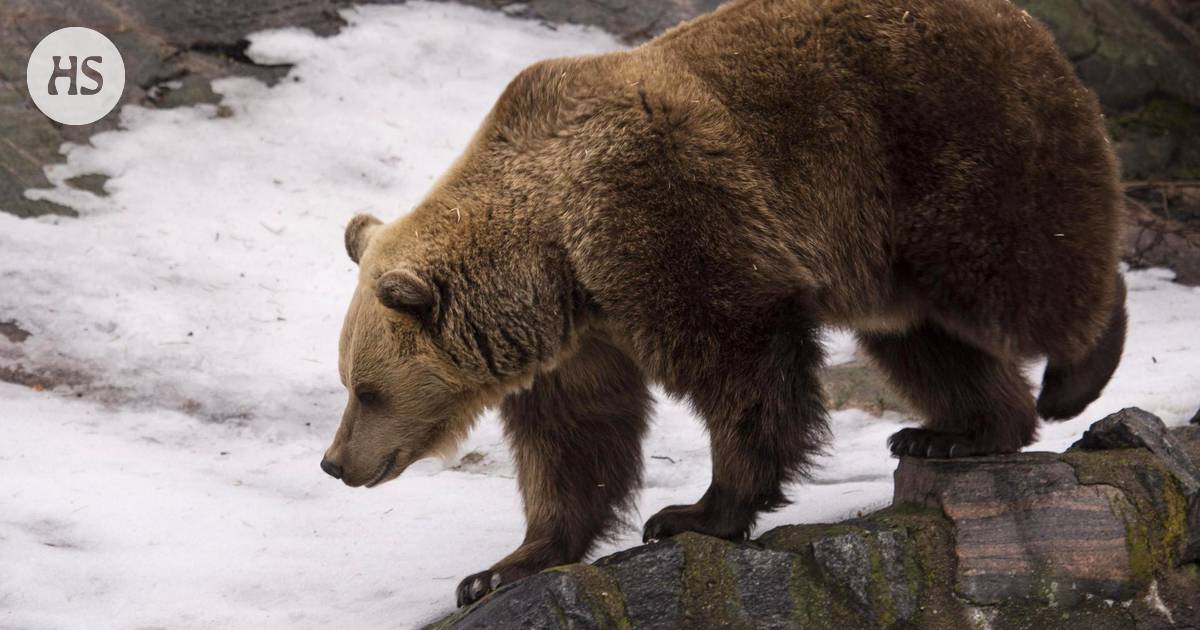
689 213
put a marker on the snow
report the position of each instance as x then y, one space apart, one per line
195 311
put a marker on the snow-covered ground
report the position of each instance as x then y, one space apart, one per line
199 304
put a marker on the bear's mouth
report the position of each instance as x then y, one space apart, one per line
385 469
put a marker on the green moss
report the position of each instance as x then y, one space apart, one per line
1175 535
818 604
1138 545
920 558
880 586
602 592
1093 467
799 538
929 564
1190 571
709 587
928 541
559 615
1152 505
925 540
909 515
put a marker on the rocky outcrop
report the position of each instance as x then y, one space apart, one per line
1142 57
1101 536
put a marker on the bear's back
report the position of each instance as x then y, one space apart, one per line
945 147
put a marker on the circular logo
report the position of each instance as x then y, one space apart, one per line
75 75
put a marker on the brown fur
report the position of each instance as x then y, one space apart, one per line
690 212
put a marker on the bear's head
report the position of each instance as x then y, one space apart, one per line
407 400
432 338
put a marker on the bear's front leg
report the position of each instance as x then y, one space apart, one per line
576 437
758 393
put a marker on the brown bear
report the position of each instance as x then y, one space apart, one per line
690 212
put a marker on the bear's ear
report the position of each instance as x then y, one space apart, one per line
404 291
358 234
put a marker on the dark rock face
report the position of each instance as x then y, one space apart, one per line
651 579
1125 50
843 557
1143 61
763 578
1097 538
546 600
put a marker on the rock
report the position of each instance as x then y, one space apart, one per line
844 558
12 331
633 21
1025 528
863 572
1088 538
1163 227
1136 428
651 578
546 600
1196 418
763 579
856 560
1142 58
860 385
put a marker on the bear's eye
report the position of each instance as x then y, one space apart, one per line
366 396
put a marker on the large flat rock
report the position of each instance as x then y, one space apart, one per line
1025 527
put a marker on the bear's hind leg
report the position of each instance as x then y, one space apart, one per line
758 393
576 437
973 402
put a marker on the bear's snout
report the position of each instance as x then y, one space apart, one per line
331 469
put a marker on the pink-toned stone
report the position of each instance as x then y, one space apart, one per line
1024 527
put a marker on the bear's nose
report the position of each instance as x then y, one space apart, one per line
331 469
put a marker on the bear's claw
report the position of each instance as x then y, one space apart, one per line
931 444
688 518
475 586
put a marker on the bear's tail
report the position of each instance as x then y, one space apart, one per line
1068 389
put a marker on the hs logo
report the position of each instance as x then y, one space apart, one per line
70 72
75 76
